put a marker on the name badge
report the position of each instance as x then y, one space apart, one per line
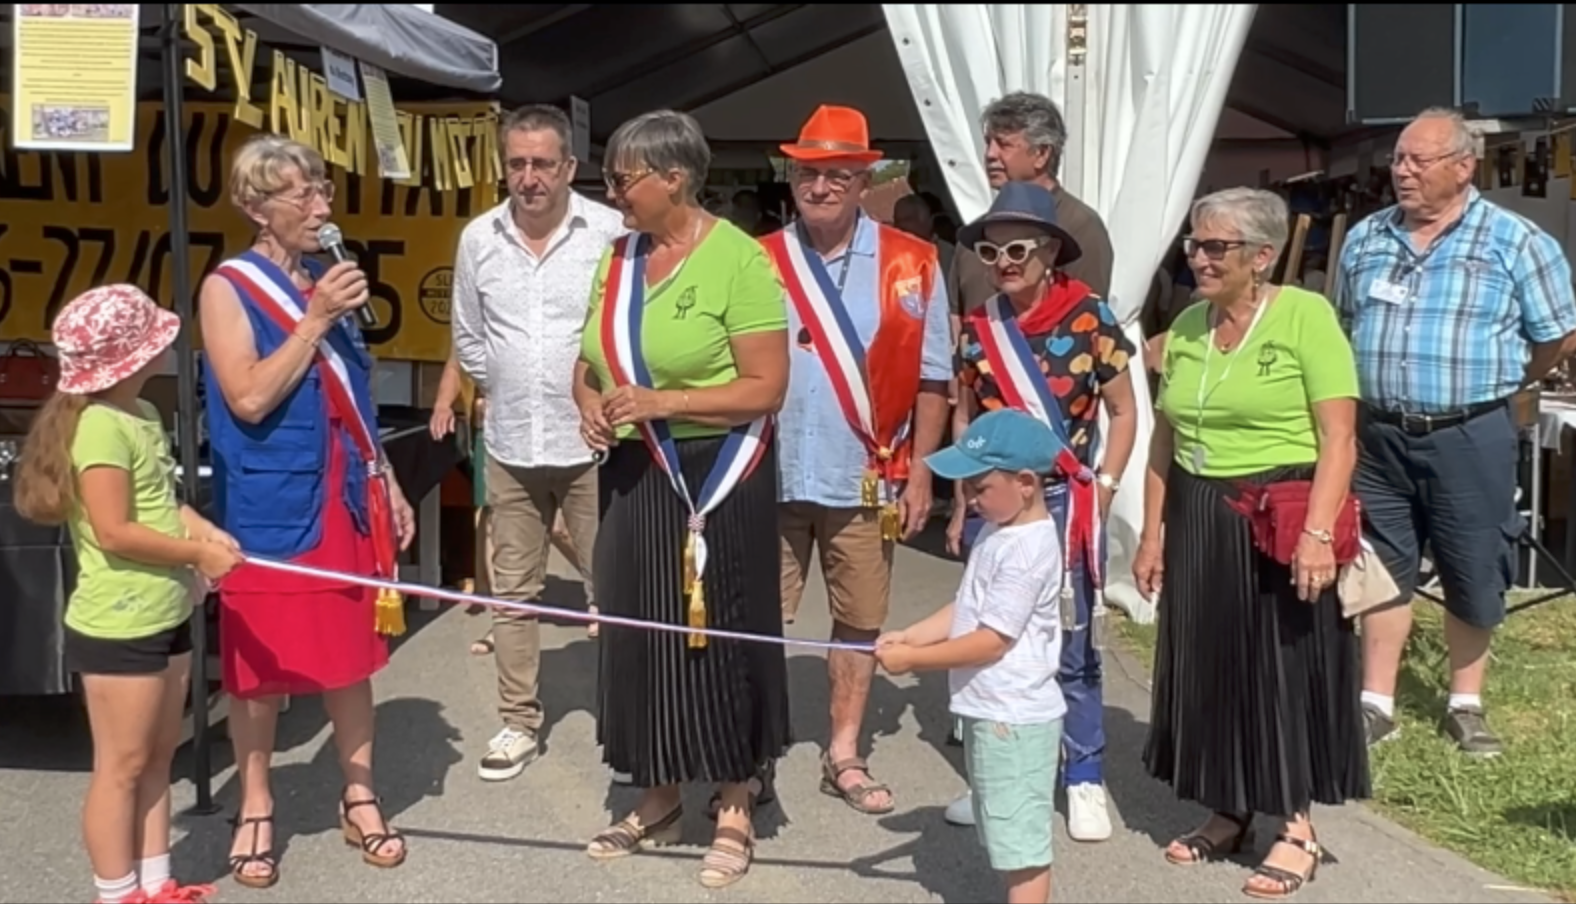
1388 292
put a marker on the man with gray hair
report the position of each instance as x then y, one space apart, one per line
522 281
1453 305
1024 140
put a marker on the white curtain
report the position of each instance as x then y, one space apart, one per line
1146 102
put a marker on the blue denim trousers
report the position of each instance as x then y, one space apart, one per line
1083 728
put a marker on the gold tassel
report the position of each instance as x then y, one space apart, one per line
391 612
891 524
695 594
870 490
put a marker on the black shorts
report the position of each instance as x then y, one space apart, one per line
1452 491
138 656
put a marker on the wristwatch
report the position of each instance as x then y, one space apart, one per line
1107 481
1323 536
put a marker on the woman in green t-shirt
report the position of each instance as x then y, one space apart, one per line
684 361
1257 673
96 459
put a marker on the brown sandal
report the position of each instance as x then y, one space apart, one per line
628 836
726 862
858 795
370 842
239 862
1287 883
1202 848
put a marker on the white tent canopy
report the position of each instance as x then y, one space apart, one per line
1142 103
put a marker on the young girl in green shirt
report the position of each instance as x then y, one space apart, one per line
96 459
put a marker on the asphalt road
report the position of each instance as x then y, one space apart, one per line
522 841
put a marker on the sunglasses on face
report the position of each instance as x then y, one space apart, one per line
1016 252
1214 249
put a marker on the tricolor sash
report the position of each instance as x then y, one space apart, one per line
276 295
836 342
623 310
1025 388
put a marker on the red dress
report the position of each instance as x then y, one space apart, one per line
283 633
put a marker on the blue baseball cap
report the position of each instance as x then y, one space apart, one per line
1003 440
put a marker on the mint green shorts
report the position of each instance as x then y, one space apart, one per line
1012 772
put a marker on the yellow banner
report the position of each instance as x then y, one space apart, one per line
72 221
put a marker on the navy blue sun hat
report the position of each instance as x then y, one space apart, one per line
1024 202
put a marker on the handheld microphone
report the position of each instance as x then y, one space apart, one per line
333 241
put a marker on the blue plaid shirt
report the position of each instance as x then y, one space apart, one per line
1454 325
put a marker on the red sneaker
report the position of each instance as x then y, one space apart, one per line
138 896
172 893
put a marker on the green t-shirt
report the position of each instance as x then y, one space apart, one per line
117 599
1257 412
726 288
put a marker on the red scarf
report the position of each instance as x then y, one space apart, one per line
1061 296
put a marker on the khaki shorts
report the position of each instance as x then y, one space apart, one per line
856 562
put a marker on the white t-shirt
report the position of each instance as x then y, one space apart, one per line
1012 585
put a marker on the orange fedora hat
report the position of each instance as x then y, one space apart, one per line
834 133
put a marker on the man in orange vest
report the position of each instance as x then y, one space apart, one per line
867 401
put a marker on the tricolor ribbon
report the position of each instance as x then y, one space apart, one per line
600 618
1024 387
836 342
623 309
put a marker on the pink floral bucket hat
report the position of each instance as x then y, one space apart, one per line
105 335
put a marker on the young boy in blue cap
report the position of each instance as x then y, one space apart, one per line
1001 641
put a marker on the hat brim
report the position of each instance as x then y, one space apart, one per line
90 378
973 233
952 463
818 155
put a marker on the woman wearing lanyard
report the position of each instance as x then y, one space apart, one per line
1257 676
1049 345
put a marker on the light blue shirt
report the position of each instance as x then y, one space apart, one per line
820 458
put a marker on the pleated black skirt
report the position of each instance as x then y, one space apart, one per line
1256 703
669 713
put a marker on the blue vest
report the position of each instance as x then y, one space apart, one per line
269 478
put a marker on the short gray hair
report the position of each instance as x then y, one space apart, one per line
1033 115
1463 139
1260 216
538 118
662 140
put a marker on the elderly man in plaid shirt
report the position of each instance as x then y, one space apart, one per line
1453 304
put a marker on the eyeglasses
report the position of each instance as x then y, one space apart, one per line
1214 249
306 196
623 182
1416 164
1016 252
535 164
838 179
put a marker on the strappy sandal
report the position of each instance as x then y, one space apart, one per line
1287 883
265 858
483 646
370 842
628 836
763 792
859 795
1202 848
725 864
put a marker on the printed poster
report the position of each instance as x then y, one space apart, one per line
75 76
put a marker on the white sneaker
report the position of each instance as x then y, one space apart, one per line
961 811
508 753
1088 813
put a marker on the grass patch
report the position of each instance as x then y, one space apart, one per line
1514 815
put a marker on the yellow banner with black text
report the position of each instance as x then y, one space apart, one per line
72 221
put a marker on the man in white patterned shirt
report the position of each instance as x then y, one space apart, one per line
522 280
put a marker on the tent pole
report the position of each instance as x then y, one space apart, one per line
186 381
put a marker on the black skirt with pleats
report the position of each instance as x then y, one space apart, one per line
669 713
1257 694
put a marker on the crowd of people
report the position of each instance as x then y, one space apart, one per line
708 413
